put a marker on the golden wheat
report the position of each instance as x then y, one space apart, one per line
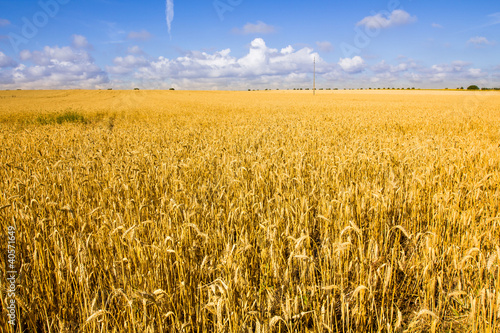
152 211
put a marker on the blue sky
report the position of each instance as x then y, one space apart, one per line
240 44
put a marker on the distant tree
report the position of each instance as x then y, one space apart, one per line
110 88
171 89
461 88
473 87
136 88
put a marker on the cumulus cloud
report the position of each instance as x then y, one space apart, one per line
71 67
352 65
380 21
383 67
448 73
169 12
81 42
127 64
134 50
142 35
6 61
56 68
325 46
261 64
480 41
474 73
52 55
454 67
257 28
261 67
4 22
435 76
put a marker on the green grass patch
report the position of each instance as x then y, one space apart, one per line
69 116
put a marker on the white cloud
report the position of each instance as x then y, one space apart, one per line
382 67
474 73
81 42
134 50
352 65
381 21
287 50
4 22
435 76
169 12
448 73
127 64
51 55
257 28
261 65
455 67
6 61
57 68
139 35
437 25
480 41
325 46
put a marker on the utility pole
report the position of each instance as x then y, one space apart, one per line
314 77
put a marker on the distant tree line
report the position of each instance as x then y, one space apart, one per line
471 87
475 87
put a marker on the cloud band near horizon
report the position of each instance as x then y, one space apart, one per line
261 67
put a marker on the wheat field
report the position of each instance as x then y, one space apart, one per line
183 211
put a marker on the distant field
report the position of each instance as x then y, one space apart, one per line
268 211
